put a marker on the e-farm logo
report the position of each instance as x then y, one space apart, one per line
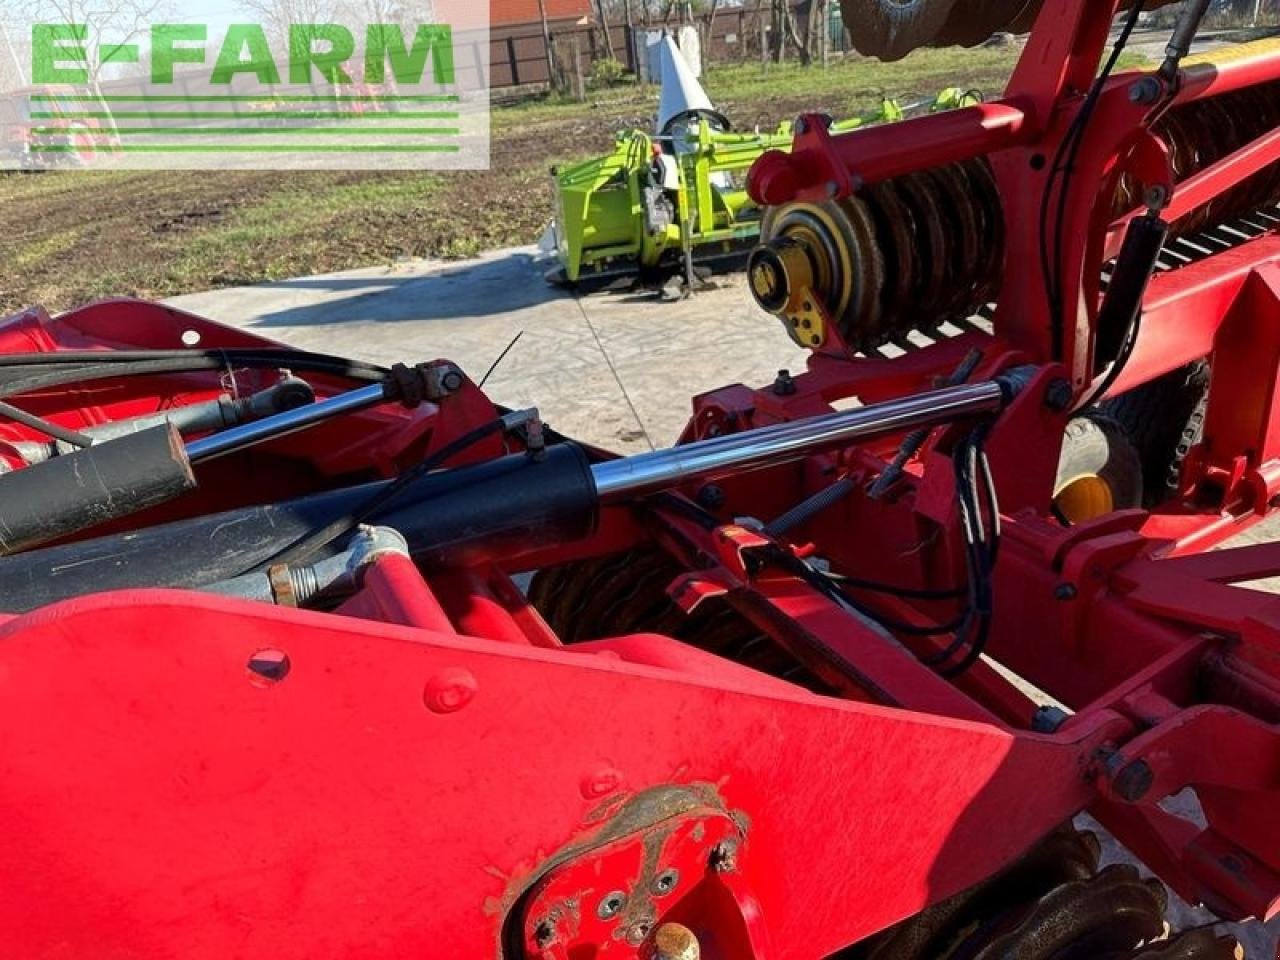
59 54
341 92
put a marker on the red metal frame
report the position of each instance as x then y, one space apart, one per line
437 775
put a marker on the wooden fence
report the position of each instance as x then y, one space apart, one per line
518 55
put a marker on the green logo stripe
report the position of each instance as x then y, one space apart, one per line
242 131
225 115
259 148
264 98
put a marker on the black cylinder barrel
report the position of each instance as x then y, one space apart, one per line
103 482
447 518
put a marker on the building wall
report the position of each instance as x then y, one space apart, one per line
517 12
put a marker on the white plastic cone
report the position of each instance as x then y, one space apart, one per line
682 95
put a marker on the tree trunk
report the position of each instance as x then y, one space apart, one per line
789 28
604 23
707 30
546 40
629 37
824 31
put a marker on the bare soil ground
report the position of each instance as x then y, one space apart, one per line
70 237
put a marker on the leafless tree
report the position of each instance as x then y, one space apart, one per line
108 22
276 16
15 56
604 26
784 32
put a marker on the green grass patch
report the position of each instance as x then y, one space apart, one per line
289 232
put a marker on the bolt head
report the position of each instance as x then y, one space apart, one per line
268 667
1048 719
1146 90
450 690
1058 395
1157 197
1134 781
711 497
611 905
1065 592
665 882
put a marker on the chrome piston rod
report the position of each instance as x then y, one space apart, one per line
647 473
283 424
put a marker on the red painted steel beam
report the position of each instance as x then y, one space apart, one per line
822 167
399 788
1234 68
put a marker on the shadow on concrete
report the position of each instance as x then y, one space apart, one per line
474 289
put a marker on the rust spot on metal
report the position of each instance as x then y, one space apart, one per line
617 817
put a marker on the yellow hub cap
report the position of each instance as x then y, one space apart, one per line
1085 498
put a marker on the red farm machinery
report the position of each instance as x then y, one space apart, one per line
304 657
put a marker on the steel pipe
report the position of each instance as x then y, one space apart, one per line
706 459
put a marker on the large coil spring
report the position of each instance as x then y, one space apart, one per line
909 254
626 593
917 252
891 29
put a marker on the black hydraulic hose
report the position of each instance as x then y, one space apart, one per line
233 354
76 372
1064 166
981 552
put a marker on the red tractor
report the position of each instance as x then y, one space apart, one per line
305 657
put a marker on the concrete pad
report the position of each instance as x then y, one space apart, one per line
615 370
399 311
665 353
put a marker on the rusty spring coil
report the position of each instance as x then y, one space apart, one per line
1201 133
1053 904
891 29
917 252
626 593
907 254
